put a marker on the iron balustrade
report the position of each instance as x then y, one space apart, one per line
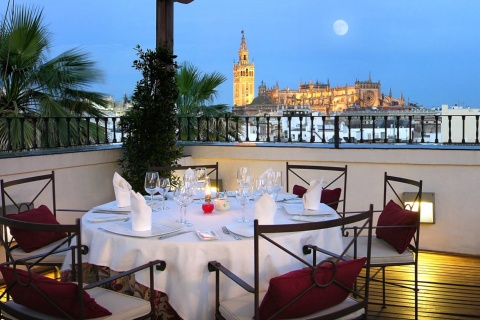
19 134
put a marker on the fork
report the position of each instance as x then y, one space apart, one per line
226 231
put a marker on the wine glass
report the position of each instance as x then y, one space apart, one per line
200 174
184 195
243 176
164 185
259 188
243 196
277 183
152 184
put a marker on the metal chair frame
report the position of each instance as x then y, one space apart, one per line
263 232
342 174
391 185
49 180
77 250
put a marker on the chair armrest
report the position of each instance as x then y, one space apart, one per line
159 263
217 267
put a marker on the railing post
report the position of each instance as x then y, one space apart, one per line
373 128
67 121
312 130
337 132
34 145
463 129
246 130
57 130
398 129
476 129
385 122
361 129
114 120
422 119
22 134
449 129
267 117
279 128
436 129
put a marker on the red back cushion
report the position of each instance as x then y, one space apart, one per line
329 196
395 215
284 288
33 240
62 293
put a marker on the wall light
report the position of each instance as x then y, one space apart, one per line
427 208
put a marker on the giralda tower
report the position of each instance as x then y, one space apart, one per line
243 77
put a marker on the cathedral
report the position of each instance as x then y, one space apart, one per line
316 96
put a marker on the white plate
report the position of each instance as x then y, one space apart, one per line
111 207
312 218
244 229
125 228
106 219
288 197
207 235
297 209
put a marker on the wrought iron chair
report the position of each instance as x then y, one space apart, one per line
330 296
398 235
29 295
335 178
211 169
23 196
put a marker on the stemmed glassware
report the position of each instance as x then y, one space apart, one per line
164 185
200 174
243 196
259 188
152 184
274 184
184 195
243 176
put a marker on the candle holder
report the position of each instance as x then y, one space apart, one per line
208 206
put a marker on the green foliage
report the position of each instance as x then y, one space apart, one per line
33 85
151 124
197 94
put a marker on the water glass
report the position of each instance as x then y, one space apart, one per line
243 196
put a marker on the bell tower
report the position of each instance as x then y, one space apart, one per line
243 77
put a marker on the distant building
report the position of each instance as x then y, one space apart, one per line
243 77
321 97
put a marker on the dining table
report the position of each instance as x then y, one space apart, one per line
190 287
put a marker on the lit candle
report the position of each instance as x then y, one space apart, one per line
208 190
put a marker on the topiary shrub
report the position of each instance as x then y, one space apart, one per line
150 125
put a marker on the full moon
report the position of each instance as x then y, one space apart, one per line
340 27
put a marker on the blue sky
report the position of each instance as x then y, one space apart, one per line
428 50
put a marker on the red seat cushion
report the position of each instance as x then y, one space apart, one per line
62 293
284 288
395 215
33 240
329 196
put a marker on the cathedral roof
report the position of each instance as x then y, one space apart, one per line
262 100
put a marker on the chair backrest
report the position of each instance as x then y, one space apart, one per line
21 194
393 190
265 233
334 177
25 279
212 169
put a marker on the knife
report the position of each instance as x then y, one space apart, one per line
165 236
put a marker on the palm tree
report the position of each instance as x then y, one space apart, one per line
197 94
33 85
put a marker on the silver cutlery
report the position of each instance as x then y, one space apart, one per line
226 231
165 236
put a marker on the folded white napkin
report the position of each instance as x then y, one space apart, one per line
266 174
311 198
141 212
122 190
265 209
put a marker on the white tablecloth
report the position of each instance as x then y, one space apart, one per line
186 280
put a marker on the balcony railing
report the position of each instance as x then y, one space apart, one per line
39 133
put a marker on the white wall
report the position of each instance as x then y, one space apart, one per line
453 175
84 179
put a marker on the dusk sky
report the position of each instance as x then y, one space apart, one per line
428 50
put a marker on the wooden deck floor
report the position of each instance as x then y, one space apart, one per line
449 289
